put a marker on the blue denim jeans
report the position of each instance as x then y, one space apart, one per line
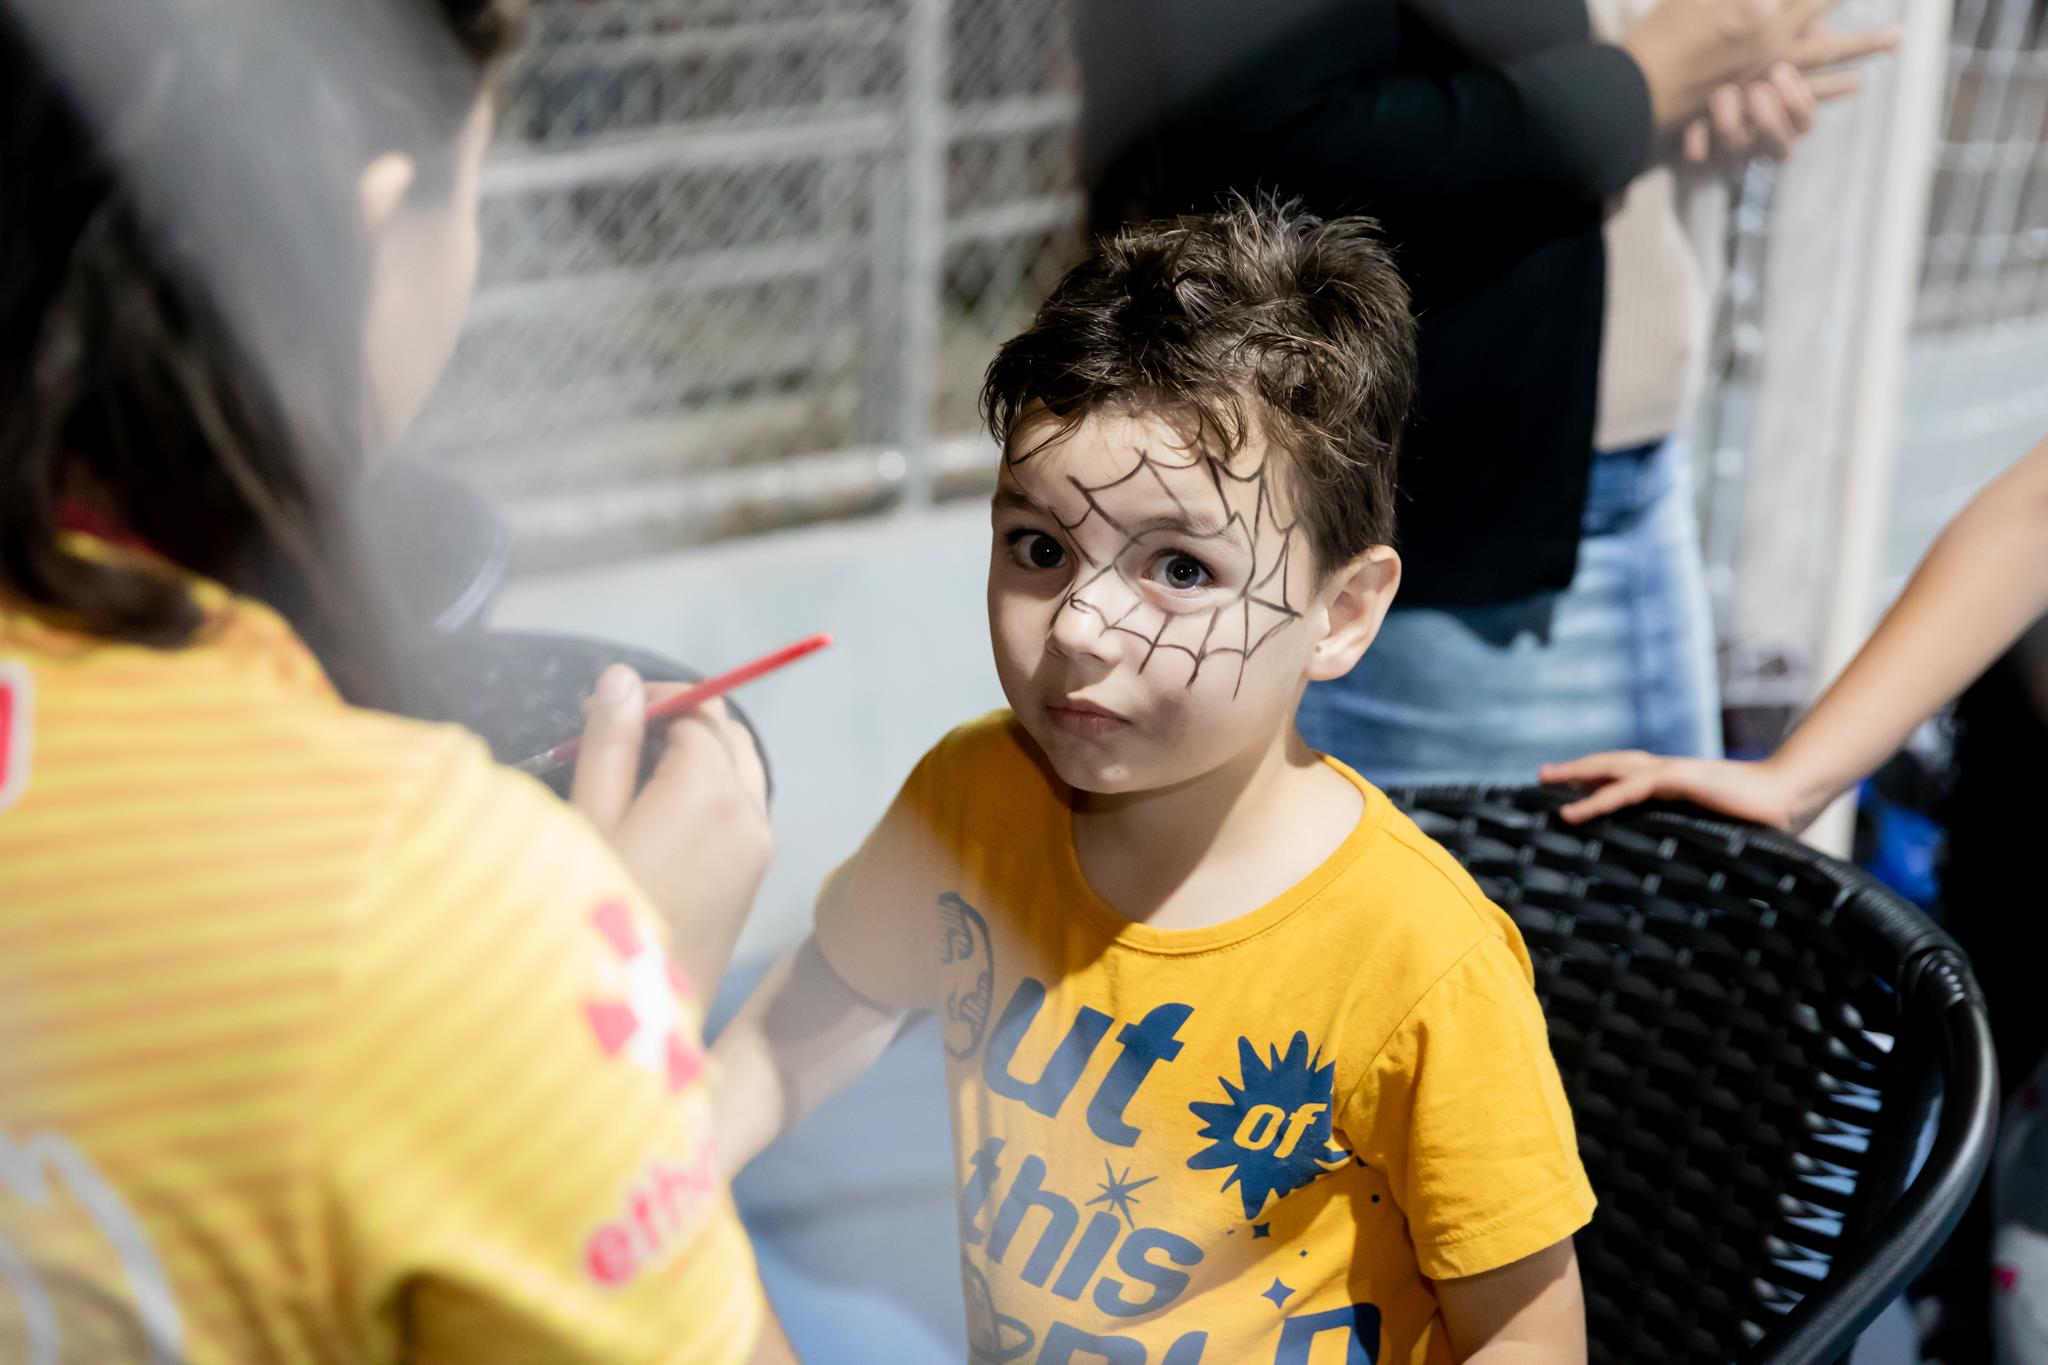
1622 659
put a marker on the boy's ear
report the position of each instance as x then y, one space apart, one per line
1354 602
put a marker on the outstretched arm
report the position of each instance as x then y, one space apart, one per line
1983 582
802 1036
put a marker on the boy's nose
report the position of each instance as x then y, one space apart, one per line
1080 630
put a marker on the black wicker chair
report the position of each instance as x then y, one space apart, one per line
1752 1035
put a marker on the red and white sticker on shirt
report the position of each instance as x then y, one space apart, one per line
640 1014
16 697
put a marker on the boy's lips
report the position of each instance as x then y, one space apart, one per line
1085 718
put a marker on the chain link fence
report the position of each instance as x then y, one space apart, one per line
744 261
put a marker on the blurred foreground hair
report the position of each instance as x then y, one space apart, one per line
183 280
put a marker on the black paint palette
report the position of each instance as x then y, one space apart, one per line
522 692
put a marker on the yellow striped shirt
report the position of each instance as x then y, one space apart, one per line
322 1038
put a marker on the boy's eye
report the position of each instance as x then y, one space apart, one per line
1036 550
1181 572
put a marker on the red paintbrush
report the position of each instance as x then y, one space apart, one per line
694 695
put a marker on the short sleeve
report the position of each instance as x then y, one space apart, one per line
877 911
513 1120
1464 1112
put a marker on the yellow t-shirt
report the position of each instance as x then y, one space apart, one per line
1254 1141
322 1038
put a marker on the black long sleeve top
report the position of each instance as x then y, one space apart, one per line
1485 136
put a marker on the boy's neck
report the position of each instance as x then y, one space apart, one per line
1219 845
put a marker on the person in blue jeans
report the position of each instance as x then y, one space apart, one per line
1485 687
1623 658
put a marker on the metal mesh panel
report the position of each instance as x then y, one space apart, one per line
1987 243
1972 400
743 264
1975 396
1012 204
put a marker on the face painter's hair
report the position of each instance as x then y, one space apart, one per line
1259 318
196 366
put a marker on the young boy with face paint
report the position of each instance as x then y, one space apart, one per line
1244 1067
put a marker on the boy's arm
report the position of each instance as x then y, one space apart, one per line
1528 1312
824 1013
802 1036
1983 582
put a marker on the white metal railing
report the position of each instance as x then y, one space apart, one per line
744 262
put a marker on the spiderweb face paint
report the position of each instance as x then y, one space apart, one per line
1207 495
1160 580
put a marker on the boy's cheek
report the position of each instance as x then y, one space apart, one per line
1019 648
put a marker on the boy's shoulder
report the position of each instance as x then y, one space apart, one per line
1414 909
996 736
1427 869
980 787
990 754
1428 950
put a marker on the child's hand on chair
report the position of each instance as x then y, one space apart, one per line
1765 792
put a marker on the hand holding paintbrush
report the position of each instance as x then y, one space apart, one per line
695 835
696 694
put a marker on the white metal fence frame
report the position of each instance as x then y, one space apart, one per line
743 262
746 258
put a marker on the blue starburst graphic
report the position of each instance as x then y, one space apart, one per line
1117 1192
1273 1132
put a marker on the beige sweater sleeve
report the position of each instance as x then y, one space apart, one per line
1665 240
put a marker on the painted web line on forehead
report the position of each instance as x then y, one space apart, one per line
1258 592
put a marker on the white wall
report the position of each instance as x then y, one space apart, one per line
902 595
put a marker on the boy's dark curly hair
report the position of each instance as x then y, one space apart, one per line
1257 320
